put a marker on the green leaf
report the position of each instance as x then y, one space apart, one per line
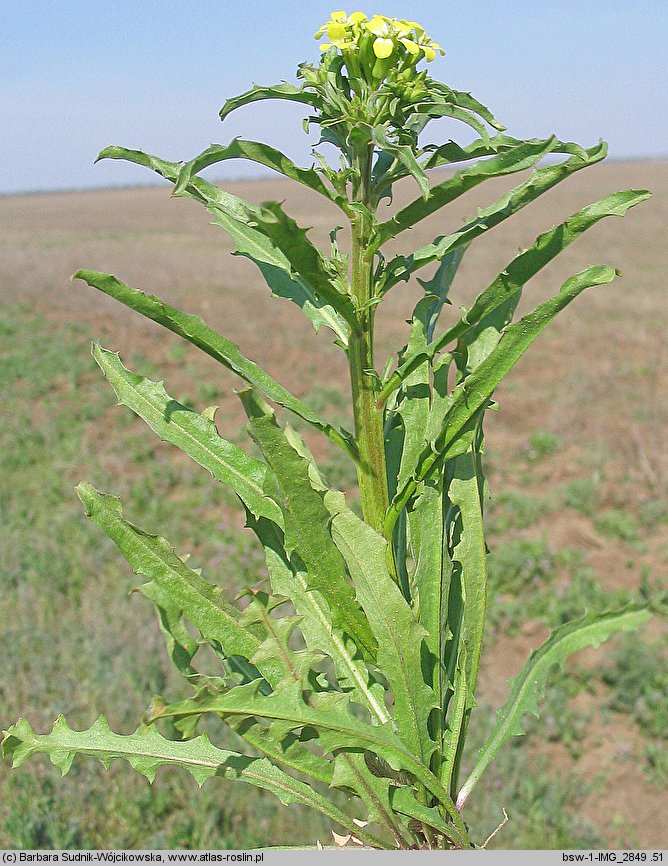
181 645
254 151
154 558
434 110
542 179
472 395
277 270
406 156
468 602
432 573
352 774
527 688
510 161
147 749
437 290
450 152
399 635
279 631
504 292
459 705
319 632
200 190
470 552
403 800
258 92
466 100
194 434
293 288
304 259
196 331
330 715
234 215
288 750
306 523
415 397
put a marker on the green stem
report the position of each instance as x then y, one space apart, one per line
371 471
371 466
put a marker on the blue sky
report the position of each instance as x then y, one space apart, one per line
77 76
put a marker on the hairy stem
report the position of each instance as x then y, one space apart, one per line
371 471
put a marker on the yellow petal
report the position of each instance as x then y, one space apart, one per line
325 46
429 53
356 17
382 48
377 26
410 46
339 16
336 30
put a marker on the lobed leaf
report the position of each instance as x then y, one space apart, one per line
181 645
147 749
509 161
466 617
437 290
351 773
397 631
236 216
329 714
445 154
254 151
405 155
154 558
304 259
194 434
289 579
529 686
306 523
196 331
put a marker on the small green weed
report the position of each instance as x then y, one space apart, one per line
515 509
653 512
529 580
583 494
618 523
542 443
637 674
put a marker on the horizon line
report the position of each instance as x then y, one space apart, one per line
261 176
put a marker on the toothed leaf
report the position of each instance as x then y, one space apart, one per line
528 687
195 330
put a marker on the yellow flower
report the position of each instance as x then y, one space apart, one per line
342 30
355 34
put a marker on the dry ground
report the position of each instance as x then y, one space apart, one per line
597 379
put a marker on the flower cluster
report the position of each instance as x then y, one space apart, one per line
371 46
